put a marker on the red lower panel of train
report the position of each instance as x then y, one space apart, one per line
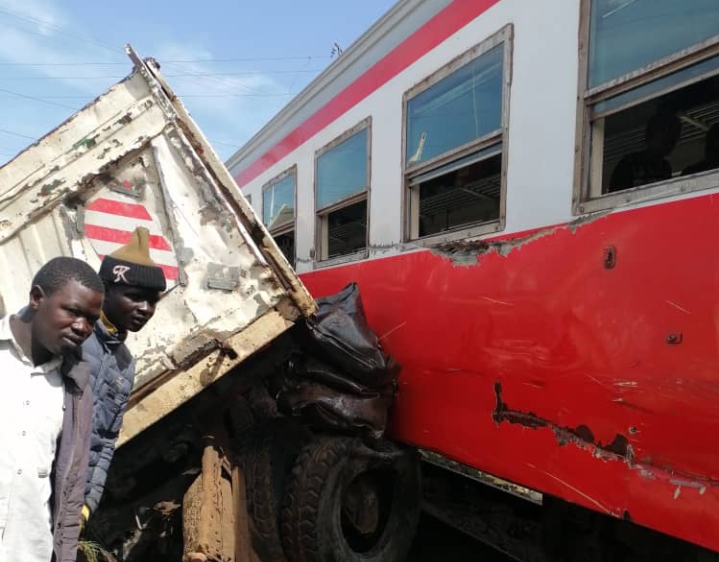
579 360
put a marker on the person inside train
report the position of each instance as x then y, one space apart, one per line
651 164
711 153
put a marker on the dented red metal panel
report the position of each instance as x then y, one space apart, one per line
580 360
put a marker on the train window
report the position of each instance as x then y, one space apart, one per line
341 192
649 100
454 144
278 211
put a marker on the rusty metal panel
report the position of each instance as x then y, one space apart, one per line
134 158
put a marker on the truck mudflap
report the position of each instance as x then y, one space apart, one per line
341 379
341 384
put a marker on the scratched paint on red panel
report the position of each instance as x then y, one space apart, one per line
442 26
609 373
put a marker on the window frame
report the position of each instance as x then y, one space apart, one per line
320 213
586 163
290 226
410 195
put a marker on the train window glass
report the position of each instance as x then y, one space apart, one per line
650 123
346 230
455 128
341 192
342 170
278 211
464 106
278 202
286 243
459 193
626 35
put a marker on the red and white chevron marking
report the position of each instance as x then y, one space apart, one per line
110 222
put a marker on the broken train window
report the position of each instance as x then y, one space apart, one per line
455 143
342 175
278 211
649 109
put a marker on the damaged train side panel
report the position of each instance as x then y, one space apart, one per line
578 360
131 158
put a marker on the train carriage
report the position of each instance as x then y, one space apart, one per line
525 193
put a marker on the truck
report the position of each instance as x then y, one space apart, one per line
200 421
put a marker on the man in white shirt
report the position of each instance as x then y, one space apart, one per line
46 413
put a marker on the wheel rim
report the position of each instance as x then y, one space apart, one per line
366 505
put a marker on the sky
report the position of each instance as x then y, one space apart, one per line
235 64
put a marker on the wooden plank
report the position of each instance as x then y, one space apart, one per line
208 513
185 385
243 540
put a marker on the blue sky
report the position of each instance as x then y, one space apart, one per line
234 63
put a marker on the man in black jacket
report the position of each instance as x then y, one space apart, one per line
133 286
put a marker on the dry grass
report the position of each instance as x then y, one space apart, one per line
93 552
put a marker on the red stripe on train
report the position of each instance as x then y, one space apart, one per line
130 210
123 237
442 26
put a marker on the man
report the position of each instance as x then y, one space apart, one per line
46 413
650 165
133 286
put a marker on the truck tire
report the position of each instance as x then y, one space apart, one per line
343 506
268 453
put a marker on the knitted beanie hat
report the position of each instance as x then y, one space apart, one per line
131 264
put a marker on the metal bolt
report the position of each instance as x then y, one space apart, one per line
675 338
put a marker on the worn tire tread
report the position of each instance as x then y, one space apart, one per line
262 505
303 495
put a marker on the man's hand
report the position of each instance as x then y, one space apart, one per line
84 516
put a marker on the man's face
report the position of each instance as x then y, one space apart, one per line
130 308
64 319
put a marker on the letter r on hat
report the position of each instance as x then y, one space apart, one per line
119 273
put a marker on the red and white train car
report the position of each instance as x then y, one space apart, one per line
526 194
